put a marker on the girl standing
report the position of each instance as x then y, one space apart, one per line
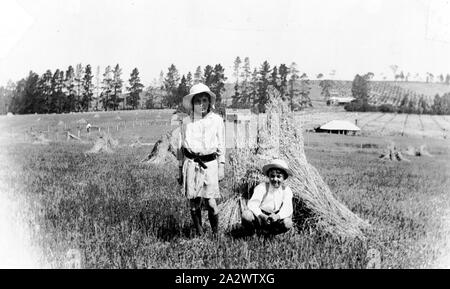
202 155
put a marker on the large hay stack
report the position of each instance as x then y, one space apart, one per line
314 203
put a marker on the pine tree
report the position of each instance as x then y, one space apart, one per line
117 84
275 78
97 88
218 83
245 91
58 95
135 89
44 103
304 91
79 73
86 89
70 90
182 90
293 91
253 99
198 78
107 88
283 71
264 82
208 75
189 80
237 68
161 80
171 83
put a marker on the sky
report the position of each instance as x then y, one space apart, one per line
348 36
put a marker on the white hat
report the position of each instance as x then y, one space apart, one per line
277 164
196 89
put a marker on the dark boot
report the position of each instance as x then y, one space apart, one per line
197 221
214 221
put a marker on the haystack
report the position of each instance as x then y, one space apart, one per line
393 154
60 123
118 118
423 151
104 143
418 152
164 151
82 121
314 203
96 115
410 151
40 139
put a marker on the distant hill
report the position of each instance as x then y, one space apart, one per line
389 91
428 89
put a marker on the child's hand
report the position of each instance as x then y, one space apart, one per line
274 217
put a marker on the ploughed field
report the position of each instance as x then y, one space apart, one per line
120 213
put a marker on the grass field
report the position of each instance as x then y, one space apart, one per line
123 214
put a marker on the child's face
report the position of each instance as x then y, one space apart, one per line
276 177
201 103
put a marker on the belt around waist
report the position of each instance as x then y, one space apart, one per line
201 159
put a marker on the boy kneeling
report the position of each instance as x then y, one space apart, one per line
270 207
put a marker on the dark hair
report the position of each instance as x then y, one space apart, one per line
285 175
200 95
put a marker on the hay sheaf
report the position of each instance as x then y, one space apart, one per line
164 151
105 143
314 203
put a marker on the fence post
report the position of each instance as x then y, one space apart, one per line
235 136
247 133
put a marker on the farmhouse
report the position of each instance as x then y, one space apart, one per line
339 100
338 127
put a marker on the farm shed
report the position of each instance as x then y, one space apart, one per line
339 127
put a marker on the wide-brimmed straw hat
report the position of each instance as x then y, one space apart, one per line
196 89
277 164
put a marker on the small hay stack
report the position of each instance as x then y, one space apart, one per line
40 139
423 151
81 121
393 154
410 151
314 203
164 151
105 143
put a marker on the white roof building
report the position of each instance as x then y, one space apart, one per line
340 125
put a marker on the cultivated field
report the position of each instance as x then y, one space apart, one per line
382 124
121 213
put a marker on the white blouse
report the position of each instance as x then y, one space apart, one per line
271 201
204 136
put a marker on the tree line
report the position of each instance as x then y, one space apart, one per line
252 87
79 89
72 90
